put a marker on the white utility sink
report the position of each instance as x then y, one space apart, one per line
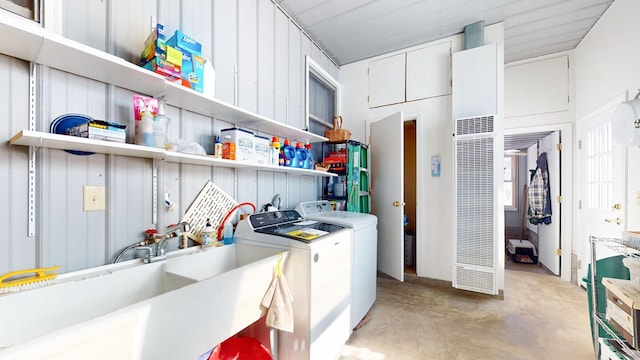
133 310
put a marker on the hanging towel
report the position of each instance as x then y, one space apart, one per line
539 193
279 301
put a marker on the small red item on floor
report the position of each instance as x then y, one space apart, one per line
240 348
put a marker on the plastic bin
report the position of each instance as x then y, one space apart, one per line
610 267
409 248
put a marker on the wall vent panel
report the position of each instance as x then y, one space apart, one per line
477 125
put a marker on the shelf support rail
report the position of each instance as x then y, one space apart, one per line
31 167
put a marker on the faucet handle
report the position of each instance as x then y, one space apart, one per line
148 256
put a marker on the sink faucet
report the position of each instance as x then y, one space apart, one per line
175 231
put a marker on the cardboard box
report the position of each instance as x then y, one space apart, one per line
170 71
192 73
243 141
623 308
229 151
100 130
261 150
155 46
183 42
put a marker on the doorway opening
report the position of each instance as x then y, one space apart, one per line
531 245
410 195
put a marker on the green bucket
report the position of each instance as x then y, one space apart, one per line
610 267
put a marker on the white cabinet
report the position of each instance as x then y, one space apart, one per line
386 81
429 72
475 84
410 76
537 87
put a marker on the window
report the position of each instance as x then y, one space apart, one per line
510 182
26 8
599 149
323 93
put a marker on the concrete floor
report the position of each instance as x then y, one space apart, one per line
541 317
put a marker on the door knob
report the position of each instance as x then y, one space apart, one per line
618 221
617 206
398 203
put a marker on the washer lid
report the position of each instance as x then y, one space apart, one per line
322 210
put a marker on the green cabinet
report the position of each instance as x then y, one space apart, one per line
350 189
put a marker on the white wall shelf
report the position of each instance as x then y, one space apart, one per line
27 40
65 142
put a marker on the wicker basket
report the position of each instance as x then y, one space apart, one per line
337 133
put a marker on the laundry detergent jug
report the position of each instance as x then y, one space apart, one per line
301 155
289 154
308 163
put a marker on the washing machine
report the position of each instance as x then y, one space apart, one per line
364 251
317 271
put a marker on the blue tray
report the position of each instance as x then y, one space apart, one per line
63 123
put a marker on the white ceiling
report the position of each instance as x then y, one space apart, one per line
352 30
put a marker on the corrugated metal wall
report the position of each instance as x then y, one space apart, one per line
258 54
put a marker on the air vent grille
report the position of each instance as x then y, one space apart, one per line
476 125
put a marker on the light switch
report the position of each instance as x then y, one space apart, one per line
94 198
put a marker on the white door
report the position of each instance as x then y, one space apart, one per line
387 181
549 235
601 183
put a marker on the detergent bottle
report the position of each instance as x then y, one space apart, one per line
308 163
288 154
301 155
274 152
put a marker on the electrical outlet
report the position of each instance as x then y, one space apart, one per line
93 198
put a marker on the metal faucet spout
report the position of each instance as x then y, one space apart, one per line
173 232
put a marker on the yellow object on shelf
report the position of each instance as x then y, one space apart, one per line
40 279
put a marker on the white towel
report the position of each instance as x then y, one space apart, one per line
278 300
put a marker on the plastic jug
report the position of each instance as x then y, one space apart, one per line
227 233
308 163
301 155
289 154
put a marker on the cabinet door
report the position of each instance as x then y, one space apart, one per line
537 87
429 72
387 81
475 85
